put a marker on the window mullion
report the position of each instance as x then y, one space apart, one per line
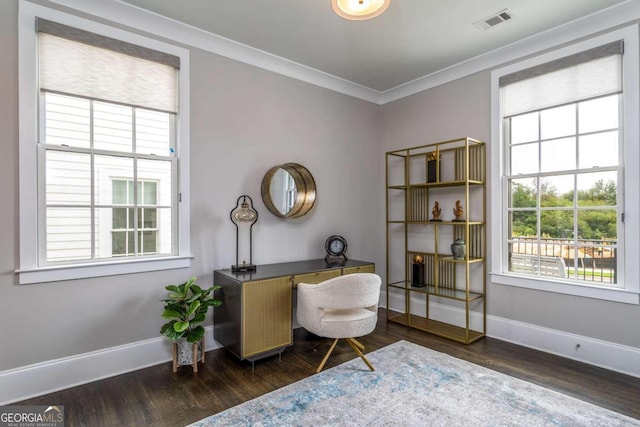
136 242
92 158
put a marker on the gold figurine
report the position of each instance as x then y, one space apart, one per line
436 211
458 211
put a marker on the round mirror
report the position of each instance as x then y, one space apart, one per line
288 190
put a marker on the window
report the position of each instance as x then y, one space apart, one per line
105 138
125 228
566 149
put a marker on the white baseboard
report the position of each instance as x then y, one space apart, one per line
604 354
54 375
47 377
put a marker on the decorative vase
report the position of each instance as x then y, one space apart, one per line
458 249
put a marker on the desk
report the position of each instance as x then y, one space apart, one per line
255 318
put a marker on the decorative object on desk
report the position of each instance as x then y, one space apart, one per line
186 308
436 212
458 212
336 246
288 190
417 278
458 249
244 213
433 167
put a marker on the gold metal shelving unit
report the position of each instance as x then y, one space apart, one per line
452 301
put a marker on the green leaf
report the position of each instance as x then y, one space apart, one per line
199 317
196 334
172 288
169 331
172 314
193 307
181 326
194 297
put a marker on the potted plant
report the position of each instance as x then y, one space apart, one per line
186 308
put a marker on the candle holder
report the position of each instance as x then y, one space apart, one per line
417 278
433 167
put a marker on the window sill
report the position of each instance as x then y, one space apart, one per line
607 294
100 269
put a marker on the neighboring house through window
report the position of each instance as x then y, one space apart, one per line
568 144
105 149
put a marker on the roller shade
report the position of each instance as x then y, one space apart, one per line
81 63
588 74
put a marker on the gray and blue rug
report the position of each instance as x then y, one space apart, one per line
414 386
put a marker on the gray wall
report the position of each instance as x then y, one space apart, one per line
461 108
244 121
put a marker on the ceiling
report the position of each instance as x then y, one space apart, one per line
412 39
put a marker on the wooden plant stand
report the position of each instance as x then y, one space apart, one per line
195 355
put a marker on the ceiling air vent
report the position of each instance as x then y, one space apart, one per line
493 20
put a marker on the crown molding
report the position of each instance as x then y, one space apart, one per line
135 17
615 16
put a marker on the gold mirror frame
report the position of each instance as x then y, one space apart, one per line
305 190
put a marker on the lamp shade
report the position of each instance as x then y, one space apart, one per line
359 9
244 213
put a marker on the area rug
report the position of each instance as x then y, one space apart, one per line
414 386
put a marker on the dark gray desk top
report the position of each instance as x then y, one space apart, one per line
269 271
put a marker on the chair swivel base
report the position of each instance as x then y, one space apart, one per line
355 345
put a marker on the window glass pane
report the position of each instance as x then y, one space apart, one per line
108 169
556 224
558 155
67 121
148 242
556 191
523 224
119 192
596 262
130 192
119 218
68 234
597 189
68 178
149 193
112 127
524 128
159 172
131 213
130 243
597 224
598 150
524 193
148 218
558 122
598 114
118 243
524 159
164 235
153 132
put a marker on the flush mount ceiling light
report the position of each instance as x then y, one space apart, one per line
359 9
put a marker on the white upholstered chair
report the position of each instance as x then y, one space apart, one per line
344 307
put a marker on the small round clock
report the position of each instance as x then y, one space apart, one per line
336 246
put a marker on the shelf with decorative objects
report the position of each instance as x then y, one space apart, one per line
436 256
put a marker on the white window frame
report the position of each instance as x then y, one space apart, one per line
29 270
629 235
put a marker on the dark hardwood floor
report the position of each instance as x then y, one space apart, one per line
157 397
